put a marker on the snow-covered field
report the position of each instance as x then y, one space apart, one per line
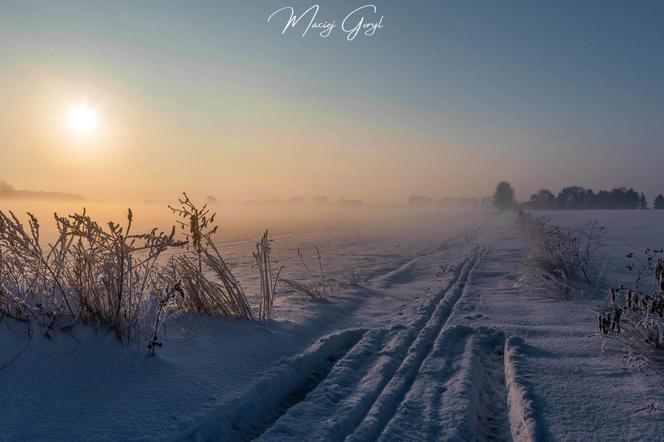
441 342
627 231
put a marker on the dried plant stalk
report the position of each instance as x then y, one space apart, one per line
316 286
223 297
268 285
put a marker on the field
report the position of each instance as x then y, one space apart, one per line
439 339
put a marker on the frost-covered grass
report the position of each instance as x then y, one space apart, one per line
106 276
351 276
314 286
116 278
560 260
636 318
632 321
268 283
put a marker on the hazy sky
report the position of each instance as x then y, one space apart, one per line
446 99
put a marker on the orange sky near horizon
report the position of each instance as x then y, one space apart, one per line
446 100
140 152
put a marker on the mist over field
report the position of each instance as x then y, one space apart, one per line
237 220
404 221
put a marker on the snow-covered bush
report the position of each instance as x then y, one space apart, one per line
559 260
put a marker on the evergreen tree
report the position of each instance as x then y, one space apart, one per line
643 202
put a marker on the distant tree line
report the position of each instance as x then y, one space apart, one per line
419 201
472 202
578 198
7 191
569 198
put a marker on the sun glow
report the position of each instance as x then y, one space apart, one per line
83 119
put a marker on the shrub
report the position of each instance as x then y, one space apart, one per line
559 260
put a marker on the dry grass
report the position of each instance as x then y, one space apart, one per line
268 285
94 275
209 286
350 276
315 286
636 319
113 277
166 305
559 260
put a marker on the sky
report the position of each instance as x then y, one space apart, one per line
446 99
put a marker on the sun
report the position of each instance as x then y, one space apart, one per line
83 119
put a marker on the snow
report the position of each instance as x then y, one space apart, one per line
626 231
442 342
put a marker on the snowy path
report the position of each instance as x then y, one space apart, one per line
483 359
423 380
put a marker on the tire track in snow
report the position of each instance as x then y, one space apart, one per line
470 387
309 383
355 385
386 405
404 269
273 394
476 397
522 416
417 416
358 382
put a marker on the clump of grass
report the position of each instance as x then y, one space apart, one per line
350 276
31 275
113 277
314 286
113 272
559 260
207 281
94 275
636 318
